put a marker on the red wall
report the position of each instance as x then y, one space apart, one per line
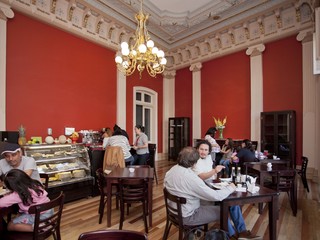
55 80
183 96
282 85
225 88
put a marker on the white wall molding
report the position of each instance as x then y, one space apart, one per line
256 77
311 103
196 100
121 99
168 105
5 13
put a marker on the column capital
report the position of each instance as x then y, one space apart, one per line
169 74
195 67
5 11
305 35
255 50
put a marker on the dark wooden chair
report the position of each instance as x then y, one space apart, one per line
133 191
43 228
285 182
174 216
45 178
151 160
303 172
113 235
101 181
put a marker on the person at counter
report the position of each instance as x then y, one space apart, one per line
141 146
117 139
13 159
106 135
199 209
25 192
123 132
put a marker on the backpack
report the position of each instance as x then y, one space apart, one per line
216 234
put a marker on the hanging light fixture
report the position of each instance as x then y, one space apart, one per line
143 54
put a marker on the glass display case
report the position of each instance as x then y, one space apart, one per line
68 167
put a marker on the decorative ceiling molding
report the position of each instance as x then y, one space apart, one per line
104 25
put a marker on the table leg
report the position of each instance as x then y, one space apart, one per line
224 216
150 204
109 202
273 212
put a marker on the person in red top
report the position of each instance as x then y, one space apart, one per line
25 192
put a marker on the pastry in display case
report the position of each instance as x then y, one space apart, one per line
68 167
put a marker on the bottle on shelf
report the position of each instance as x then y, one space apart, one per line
233 174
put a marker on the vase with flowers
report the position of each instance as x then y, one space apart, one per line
220 125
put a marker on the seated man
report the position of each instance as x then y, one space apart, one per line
245 154
182 181
13 158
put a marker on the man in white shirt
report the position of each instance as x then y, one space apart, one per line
203 168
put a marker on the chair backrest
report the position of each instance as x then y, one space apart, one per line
304 166
100 180
46 179
43 228
285 181
113 157
173 208
113 235
152 154
133 189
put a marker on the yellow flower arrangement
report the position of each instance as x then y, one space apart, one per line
220 123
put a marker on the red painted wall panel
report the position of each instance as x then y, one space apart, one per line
225 87
183 95
282 85
55 80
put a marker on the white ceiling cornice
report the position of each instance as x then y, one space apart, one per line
108 22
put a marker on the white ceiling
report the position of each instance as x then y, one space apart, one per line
176 22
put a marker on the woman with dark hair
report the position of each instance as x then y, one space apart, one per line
117 139
215 148
25 192
141 146
227 150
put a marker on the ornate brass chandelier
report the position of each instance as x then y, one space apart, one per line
143 54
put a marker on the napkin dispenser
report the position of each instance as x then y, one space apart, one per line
251 184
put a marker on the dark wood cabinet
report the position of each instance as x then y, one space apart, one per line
179 135
278 134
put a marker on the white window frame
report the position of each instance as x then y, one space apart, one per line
153 106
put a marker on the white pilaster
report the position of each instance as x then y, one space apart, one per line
5 12
311 103
121 99
256 76
168 104
196 99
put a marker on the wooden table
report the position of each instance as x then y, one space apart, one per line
239 198
123 173
263 171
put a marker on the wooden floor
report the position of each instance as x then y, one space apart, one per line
82 215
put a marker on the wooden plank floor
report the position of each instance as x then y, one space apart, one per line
82 215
